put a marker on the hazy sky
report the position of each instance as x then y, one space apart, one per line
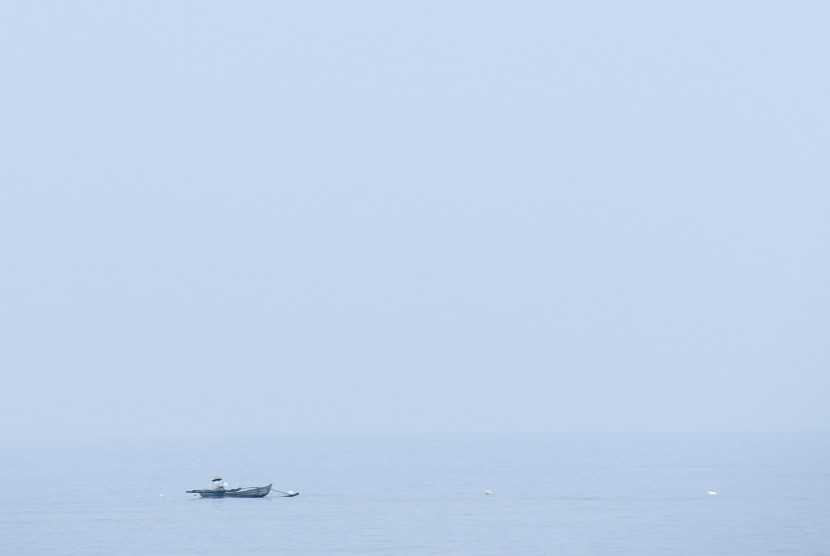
347 217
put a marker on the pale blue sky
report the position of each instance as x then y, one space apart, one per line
349 217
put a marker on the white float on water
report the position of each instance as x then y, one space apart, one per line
488 492
711 493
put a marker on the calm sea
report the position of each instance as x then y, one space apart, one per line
597 494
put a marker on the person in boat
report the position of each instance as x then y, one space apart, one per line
218 484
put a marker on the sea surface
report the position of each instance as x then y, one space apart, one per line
567 494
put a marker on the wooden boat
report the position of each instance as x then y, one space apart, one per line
249 492
220 490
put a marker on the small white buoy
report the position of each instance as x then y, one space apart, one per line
488 492
711 493
161 495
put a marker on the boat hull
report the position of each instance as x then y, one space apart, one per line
252 492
